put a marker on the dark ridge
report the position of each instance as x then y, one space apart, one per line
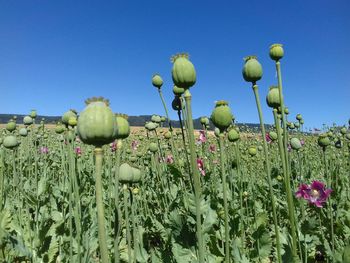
133 121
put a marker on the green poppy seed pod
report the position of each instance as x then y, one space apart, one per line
347 136
183 72
217 132
11 126
23 132
260 148
153 147
97 124
295 143
297 124
156 118
301 121
33 114
276 52
222 115
273 135
233 135
291 126
343 130
126 173
132 159
67 115
157 81
10 142
178 91
162 118
27 120
123 128
59 129
137 175
176 104
204 120
252 151
286 111
150 126
273 97
252 69
167 135
299 117
323 140
71 122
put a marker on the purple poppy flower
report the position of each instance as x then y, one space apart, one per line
316 193
303 191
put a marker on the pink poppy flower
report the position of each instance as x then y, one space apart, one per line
44 150
212 148
201 139
134 145
113 146
78 150
169 159
200 165
268 138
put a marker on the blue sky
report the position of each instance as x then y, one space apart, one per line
55 54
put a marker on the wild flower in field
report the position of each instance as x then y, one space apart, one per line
268 138
302 142
289 147
134 145
78 150
316 193
201 139
200 165
212 148
169 159
113 146
44 150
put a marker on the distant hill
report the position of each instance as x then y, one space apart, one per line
137 121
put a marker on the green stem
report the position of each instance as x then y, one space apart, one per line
196 177
133 221
223 176
116 208
126 211
267 166
99 204
169 123
290 203
330 212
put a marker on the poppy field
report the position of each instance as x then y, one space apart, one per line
92 189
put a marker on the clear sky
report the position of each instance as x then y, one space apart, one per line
56 53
